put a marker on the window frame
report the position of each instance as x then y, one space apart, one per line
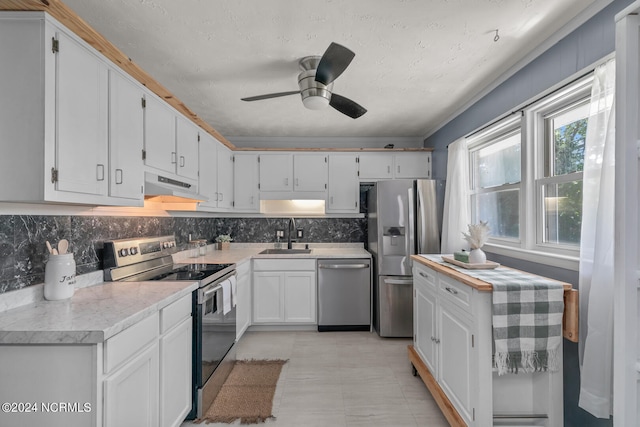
530 120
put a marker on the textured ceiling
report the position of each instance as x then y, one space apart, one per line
416 63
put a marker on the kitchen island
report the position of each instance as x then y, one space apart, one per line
454 345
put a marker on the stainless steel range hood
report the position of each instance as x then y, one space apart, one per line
168 188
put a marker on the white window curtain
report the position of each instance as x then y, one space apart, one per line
596 249
456 215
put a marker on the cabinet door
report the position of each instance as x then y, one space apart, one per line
159 135
126 138
424 327
175 374
300 297
208 180
187 148
131 393
456 351
243 305
225 177
344 189
376 166
276 172
413 165
245 183
310 172
81 119
268 290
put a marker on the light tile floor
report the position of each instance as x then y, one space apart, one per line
342 379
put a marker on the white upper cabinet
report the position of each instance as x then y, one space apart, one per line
126 137
293 176
412 165
216 174
276 172
344 189
186 148
310 172
225 177
159 134
171 140
388 165
81 119
245 183
376 166
54 117
208 171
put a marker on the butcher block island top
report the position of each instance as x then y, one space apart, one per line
455 273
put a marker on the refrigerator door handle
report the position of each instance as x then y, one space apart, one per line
411 223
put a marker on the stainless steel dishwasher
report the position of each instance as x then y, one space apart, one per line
344 294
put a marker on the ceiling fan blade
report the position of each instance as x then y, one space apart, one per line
334 61
270 95
347 106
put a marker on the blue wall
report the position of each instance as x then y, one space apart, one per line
589 43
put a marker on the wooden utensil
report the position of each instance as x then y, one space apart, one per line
49 247
63 245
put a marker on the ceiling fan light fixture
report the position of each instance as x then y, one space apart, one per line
315 102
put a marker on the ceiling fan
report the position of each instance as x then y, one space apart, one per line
316 82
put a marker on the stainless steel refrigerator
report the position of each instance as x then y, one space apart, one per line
402 221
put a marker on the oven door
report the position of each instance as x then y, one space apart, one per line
213 338
218 329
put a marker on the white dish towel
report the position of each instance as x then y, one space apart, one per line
226 296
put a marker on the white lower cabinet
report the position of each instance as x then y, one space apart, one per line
140 377
176 357
243 293
131 393
453 340
284 291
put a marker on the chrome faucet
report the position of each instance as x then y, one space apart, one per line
289 240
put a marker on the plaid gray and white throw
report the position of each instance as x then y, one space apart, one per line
527 318
527 326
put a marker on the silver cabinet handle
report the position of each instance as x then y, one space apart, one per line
118 176
100 172
435 340
173 157
451 290
181 161
389 169
423 275
341 266
221 197
398 168
297 182
331 200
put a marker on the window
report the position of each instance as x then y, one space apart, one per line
526 173
495 179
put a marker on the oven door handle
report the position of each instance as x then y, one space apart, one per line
206 294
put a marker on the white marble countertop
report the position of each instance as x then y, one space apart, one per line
92 315
240 253
100 310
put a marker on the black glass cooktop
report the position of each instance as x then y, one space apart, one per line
191 272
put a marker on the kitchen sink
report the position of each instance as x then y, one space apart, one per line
285 251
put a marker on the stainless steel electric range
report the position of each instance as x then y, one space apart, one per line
214 331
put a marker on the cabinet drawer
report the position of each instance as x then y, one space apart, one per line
424 277
124 345
456 292
289 264
172 314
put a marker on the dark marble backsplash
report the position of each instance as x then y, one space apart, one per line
23 253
